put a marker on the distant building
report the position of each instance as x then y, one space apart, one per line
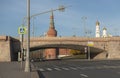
97 32
104 32
51 53
51 31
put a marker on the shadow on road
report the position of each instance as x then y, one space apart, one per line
40 74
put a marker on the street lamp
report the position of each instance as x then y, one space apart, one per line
61 8
27 62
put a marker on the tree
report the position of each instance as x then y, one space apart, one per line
75 52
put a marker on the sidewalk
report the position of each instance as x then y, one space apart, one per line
15 70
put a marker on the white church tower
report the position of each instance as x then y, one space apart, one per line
104 32
97 29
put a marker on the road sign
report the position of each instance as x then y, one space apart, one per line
90 43
85 49
22 30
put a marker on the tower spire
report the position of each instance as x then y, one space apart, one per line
52 32
51 52
52 21
97 29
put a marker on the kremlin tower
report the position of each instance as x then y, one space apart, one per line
104 32
52 32
97 29
51 53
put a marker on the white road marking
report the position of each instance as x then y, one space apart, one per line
65 68
99 67
49 69
57 69
73 68
80 68
41 69
83 75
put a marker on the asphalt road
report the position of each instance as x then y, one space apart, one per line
78 69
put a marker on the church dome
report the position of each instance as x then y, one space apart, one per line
104 28
97 23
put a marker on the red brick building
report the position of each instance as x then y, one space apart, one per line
54 53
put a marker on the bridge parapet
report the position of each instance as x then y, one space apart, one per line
3 38
68 39
75 38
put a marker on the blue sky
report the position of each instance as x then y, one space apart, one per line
67 23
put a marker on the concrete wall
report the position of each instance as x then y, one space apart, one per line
5 51
114 48
9 48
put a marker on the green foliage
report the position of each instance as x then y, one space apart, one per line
75 52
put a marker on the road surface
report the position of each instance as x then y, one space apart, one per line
78 69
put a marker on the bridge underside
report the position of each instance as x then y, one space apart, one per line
68 46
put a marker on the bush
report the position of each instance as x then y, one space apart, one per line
75 52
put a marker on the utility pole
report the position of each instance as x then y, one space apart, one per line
33 30
84 24
89 44
21 42
27 62
89 53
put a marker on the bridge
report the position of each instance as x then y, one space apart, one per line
103 48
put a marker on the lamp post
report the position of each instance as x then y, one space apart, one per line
27 62
88 52
61 8
89 44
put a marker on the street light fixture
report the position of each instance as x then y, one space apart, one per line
27 62
61 8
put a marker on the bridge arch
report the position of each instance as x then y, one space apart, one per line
93 50
102 46
69 46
